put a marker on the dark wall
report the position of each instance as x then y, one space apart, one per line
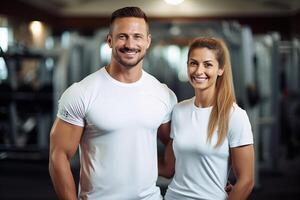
20 11
286 25
295 27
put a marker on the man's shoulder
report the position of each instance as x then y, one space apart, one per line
92 82
149 77
92 78
86 86
153 81
159 89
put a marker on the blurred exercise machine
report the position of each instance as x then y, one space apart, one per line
26 102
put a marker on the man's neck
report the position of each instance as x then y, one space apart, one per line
124 74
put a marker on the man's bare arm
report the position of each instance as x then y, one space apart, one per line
166 163
64 141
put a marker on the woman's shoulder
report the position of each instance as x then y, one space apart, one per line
236 109
182 107
184 103
238 113
240 131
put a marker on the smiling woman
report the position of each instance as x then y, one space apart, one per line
209 130
203 70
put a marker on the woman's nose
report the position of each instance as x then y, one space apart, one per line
199 69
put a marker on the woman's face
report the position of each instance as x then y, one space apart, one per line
203 69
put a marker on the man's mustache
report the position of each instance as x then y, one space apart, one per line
129 50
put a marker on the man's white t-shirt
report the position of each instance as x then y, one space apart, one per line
201 170
118 149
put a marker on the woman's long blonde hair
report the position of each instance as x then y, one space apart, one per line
225 96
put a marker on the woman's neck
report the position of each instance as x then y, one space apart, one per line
204 98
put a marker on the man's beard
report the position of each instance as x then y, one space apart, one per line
123 62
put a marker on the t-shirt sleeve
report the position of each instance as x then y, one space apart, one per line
174 122
240 132
71 106
171 102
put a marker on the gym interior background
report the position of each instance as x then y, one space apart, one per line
48 45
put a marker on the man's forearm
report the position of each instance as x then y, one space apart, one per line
162 168
62 179
166 164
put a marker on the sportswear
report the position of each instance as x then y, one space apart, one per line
118 148
201 169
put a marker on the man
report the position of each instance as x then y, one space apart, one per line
113 116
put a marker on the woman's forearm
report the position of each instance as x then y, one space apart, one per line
241 190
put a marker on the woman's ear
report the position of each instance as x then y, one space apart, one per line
220 72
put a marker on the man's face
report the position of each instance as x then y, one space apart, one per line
129 40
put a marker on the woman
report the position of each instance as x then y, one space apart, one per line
209 132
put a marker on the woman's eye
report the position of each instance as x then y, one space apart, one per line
207 65
193 63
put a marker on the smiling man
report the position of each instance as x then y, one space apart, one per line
114 117
129 39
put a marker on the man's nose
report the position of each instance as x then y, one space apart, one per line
129 43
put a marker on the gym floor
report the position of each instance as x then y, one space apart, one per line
29 179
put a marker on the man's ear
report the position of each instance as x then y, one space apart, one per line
109 40
149 40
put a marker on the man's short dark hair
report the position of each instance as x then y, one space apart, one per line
127 12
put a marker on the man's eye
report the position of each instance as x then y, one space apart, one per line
138 36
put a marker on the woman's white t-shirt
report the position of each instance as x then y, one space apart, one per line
201 170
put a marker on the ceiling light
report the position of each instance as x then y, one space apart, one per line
36 27
174 2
